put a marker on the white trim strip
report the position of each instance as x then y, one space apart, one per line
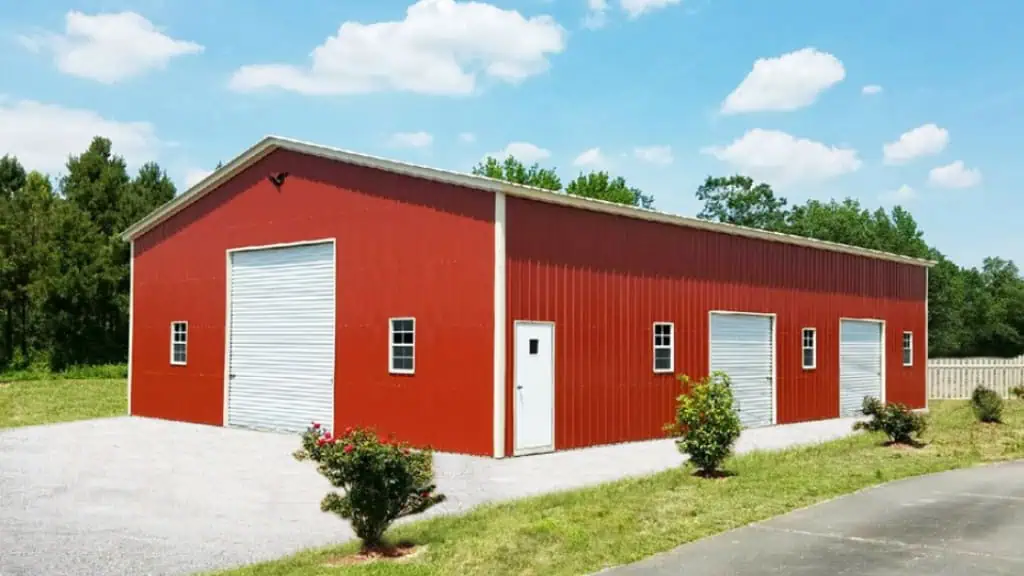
500 326
272 143
131 320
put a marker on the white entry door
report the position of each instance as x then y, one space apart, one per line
860 364
741 346
281 349
534 380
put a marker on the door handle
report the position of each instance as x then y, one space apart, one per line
519 387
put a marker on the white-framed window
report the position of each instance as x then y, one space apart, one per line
908 348
402 345
179 343
809 348
664 347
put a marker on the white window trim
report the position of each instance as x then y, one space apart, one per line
671 348
173 324
814 349
904 347
391 346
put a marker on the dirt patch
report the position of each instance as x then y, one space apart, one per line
401 552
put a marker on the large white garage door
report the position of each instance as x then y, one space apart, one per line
860 364
281 358
741 346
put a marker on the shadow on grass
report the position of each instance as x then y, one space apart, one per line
714 474
918 444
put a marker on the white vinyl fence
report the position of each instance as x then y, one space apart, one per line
956 378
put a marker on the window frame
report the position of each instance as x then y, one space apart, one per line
813 348
184 343
907 345
392 344
671 346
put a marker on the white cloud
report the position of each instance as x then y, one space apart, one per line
774 155
954 175
42 136
441 47
592 158
467 137
871 90
109 48
901 195
786 82
412 139
523 151
597 14
654 154
194 175
926 140
636 8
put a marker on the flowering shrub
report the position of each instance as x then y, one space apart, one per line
381 481
706 424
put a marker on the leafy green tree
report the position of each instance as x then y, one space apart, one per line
512 170
738 200
601 186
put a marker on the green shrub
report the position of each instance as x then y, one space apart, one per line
898 422
381 481
987 405
1017 392
706 425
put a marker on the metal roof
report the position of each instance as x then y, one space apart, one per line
271 143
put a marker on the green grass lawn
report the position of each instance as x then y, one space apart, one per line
583 531
27 402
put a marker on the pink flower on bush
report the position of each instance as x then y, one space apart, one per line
349 448
321 442
316 425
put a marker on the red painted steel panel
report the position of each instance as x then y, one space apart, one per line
405 247
604 280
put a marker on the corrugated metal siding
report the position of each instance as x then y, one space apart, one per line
741 346
281 349
405 247
605 279
860 364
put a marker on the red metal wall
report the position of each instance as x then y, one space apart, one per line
405 247
604 280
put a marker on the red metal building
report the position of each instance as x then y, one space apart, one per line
301 282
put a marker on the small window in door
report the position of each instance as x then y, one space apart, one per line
664 348
809 348
402 346
179 343
534 346
908 348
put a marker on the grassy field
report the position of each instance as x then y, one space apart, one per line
56 399
583 531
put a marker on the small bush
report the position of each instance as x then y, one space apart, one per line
1017 392
706 424
381 481
987 405
898 422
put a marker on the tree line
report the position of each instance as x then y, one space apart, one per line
64 270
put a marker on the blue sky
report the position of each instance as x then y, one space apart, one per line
909 101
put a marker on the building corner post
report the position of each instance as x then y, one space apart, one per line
131 320
499 324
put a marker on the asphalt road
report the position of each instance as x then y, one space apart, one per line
955 523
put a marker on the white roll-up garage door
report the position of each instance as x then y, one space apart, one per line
860 364
281 356
741 346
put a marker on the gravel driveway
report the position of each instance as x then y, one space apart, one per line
136 496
